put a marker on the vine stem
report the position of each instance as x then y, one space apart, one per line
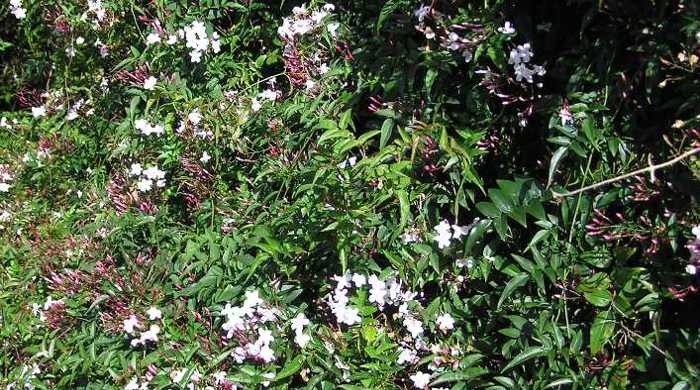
651 169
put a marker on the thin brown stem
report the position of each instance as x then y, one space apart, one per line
650 169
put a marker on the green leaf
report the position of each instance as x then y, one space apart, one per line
488 209
596 289
559 382
404 208
387 10
517 281
602 329
460 376
559 154
501 201
387 127
290 367
522 357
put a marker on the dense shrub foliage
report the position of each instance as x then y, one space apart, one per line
228 194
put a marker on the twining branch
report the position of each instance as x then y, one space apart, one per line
651 169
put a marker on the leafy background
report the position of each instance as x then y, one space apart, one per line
582 291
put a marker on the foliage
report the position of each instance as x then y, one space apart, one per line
232 194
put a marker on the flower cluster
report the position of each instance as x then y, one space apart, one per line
445 233
445 322
151 335
434 25
195 36
304 21
95 8
136 384
270 94
150 83
519 57
298 324
48 304
338 300
507 29
381 293
420 380
147 129
177 375
74 110
242 322
147 177
39 111
17 10
5 178
198 41
192 127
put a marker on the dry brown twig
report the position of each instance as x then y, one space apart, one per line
651 169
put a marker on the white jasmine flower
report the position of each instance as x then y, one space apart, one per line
348 163
310 84
215 42
150 335
523 72
269 94
154 173
691 269
461 263
377 292
196 56
507 29
299 322
4 187
131 323
135 169
17 10
420 380
267 315
172 39
459 231
177 375
323 69
154 313
406 355
150 83
347 315
444 235
521 54
696 231
359 280
132 385
38 111
445 322
194 117
413 326
302 339
152 38
252 299
205 157
144 185
422 12
333 29
255 105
